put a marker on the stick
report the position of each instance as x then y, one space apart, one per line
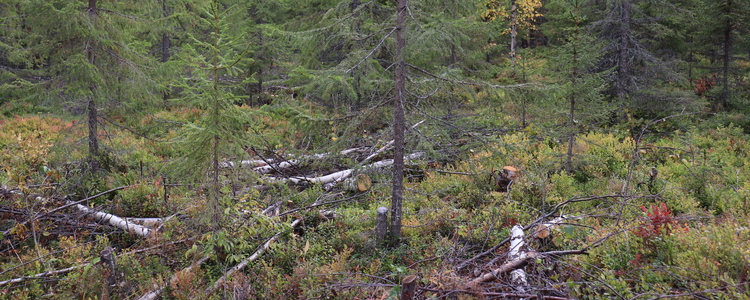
153 295
44 274
207 293
518 263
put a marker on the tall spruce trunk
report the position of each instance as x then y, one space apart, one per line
726 57
572 136
93 121
165 45
398 126
623 65
93 118
513 33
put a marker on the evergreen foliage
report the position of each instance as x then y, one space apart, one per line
222 131
618 128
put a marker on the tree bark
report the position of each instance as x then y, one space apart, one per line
623 66
408 287
572 125
398 127
115 221
726 57
513 33
93 136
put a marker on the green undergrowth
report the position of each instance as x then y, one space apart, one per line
680 232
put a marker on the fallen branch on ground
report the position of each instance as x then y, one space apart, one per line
517 264
207 293
155 294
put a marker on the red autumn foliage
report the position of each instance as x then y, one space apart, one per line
659 221
704 84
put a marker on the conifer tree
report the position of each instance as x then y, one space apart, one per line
581 84
221 131
722 21
80 53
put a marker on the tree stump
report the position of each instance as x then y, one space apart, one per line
408 287
381 223
107 258
505 178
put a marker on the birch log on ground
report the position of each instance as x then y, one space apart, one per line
517 252
341 175
115 221
266 168
517 259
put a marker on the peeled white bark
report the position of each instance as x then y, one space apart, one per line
544 230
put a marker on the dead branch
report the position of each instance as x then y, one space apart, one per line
387 145
43 274
493 294
519 263
207 293
155 294
540 219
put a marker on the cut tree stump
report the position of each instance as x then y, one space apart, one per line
408 287
505 178
382 223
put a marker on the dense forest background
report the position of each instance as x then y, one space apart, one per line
286 149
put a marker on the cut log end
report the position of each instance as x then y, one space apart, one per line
360 183
505 178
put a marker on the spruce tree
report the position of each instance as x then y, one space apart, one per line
83 55
221 131
581 84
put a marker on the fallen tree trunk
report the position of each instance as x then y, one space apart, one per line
387 145
69 204
252 163
517 243
341 175
115 221
207 293
268 168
